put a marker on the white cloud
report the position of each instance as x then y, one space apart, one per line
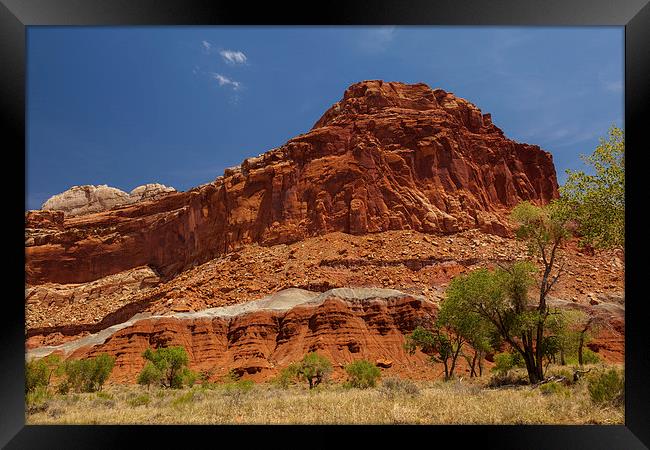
377 39
614 86
207 47
233 57
225 81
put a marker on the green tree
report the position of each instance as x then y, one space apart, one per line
544 229
314 368
464 327
150 375
38 372
362 374
501 297
87 375
170 362
597 202
442 345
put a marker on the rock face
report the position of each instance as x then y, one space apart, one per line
388 156
88 199
262 337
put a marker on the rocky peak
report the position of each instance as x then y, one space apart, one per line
88 199
379 98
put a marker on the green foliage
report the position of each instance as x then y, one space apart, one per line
188 376
287 375
590 357
314 368
597 201
38 372
541 226
505 362
150 375
362 374
607 388
171 362
555 389
37 399
87 375
140 400
238 387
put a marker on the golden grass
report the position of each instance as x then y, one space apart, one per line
456 402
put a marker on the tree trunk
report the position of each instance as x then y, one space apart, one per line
562 360
580 345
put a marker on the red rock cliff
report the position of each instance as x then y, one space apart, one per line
388 156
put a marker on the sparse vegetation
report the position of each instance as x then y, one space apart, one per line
86 375
607 387
393 401
168 366
314 369
362 374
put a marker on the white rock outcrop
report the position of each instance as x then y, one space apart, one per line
88 199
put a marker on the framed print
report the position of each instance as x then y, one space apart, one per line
408 215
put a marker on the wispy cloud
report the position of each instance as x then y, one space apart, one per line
612 86
207 46
233 57
225 81
377 39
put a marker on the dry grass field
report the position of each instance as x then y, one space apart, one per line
393 401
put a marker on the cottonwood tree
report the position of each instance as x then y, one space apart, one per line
597 201
544 229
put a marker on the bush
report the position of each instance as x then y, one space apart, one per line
150 375
39 371
362 374
286 376
37 400
554 388
140 400
505 362
590 357
87 375
171 363
314 368
392 386
607 388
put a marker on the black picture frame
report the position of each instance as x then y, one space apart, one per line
634 15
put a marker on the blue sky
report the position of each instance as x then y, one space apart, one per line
125 106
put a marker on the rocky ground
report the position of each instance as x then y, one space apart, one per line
408 261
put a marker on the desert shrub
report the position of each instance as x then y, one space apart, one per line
286 376
238 387
184 399
362 374
607 387
189 377
37 400
38 372
314 368
171 362
505 362
554 388
393 385
140 400
590 357
87 375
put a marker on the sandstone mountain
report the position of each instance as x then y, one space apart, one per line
395 190
388 156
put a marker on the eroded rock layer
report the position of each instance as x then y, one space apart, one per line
262 337
388 156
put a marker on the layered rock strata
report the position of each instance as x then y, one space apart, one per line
259 338
388 156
